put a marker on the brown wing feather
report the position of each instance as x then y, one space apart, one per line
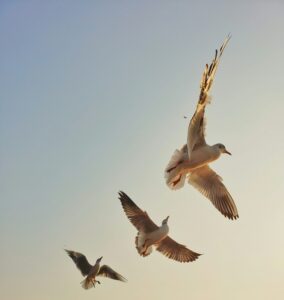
108 272
208 183
137 217
196 128
209 73
81 261
176 251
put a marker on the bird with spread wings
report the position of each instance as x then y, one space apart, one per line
92 271
192 160
149 234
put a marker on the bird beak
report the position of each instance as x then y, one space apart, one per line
100 258
226 151
167 218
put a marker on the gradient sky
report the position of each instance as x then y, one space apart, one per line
92 99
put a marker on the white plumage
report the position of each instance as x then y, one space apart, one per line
193 158
91 272
150 235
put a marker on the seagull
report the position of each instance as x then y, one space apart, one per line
192 160
92 271
149 234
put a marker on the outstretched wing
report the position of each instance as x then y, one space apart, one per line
107 271
196 128
208 183
81 261
176 251
137 217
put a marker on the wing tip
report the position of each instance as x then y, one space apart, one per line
69 252
231 216
121 194
192 258
195 256
123 279
122 197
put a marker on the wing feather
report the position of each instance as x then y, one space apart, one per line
209 183
108 272
196 128
176 251
137 217
81 261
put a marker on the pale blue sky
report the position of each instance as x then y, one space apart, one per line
92 99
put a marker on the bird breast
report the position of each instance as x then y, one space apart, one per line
94 271
158 234
202 156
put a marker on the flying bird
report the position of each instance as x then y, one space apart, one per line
192 160
92 271
149 234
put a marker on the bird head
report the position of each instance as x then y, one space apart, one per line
223 149
99 259
165 221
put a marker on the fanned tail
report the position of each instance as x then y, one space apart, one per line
173 178
87 283
140 245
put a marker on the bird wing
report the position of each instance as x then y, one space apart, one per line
196 128
176 251
209 183
107 271
137 217
81 261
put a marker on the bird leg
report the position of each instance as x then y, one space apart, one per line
94 281
175 182
144 247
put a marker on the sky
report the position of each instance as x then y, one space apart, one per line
92 99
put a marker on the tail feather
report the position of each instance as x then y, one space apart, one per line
87 283
139 240
177 158
140 245
173 178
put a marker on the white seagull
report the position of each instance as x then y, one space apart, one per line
92 271
192 159
149 234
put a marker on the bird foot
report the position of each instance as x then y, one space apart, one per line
94 282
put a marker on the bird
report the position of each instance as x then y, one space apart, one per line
150 235
191 162
92 271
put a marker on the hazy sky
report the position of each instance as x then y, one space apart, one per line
92 96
